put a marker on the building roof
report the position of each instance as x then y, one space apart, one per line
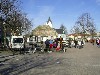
59 31
44 30
79 35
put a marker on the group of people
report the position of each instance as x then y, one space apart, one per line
55 44
58 44
77 43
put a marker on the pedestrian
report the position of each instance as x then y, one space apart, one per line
79 44
69 43
54 45
93 41
99 42
61 39
58 47
82 43
72 43
56 40
51 43
47 44
42 46
75 41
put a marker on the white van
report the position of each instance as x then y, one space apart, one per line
16 42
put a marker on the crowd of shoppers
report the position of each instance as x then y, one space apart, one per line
57 44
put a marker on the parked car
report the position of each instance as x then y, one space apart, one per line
65 43
16 43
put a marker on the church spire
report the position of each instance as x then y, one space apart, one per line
49 22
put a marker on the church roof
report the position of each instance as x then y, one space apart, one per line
59 31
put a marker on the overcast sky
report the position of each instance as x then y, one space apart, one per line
64 12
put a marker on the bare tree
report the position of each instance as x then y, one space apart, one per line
85 25
75 30
26 24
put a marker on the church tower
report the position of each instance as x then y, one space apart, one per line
49 22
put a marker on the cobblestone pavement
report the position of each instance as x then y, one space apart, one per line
74 61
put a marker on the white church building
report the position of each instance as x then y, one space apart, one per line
59 31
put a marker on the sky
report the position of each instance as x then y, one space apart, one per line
64 12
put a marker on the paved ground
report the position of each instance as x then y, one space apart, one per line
85 61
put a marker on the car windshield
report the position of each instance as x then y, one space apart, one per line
17 40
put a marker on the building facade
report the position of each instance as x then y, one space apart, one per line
61 33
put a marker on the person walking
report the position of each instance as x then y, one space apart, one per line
47 44
61 39
79 44
93 41
56 41
42 46
99 42
75 41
